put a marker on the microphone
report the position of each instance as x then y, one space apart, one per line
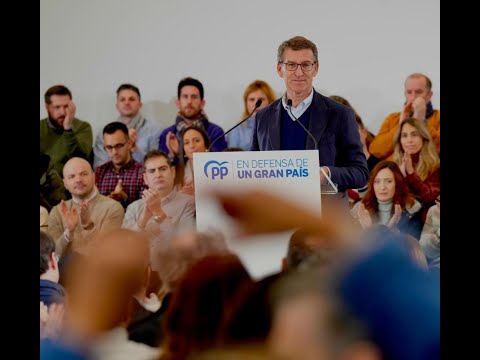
257 104
289 104
329 181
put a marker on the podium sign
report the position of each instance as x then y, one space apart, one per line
293 175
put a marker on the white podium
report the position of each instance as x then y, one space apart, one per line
293 175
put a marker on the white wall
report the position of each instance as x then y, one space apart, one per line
366 49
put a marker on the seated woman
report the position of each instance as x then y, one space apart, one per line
241 136
193 139
416 155
388 201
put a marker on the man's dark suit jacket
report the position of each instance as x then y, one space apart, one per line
334 127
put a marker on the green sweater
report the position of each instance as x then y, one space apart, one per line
62 145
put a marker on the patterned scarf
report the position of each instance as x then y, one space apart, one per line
181 123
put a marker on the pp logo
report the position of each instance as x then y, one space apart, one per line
217 169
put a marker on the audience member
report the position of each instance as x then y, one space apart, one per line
100 294
143 133
241 136
147 313
248 319
62 135
51 292
415 154
113 342
414 250
162 209
121 178
430 237
172 262
194 139
418 94
190 104
310 321
376 280
332 124
306 250
196 310
73 222
183 251
389 202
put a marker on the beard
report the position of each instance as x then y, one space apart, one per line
58 121
191 113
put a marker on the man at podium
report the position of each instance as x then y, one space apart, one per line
305 119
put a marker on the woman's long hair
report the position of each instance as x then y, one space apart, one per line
428 160
254 86
199 305
402 193
180 167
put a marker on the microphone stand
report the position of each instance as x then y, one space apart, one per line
257 104
335 190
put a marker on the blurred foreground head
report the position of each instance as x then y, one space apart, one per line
102 284
183 251
310 322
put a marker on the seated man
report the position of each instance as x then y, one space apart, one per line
51 292
418 95
162 209
190 104
122 177
74 222
143 133
62 136
306 250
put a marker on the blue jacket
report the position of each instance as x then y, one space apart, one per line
51 292
334 127
397 300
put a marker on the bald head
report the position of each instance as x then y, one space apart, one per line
78 177
74 163
428 82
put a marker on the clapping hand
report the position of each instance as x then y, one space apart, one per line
69 216
172 143
397 214
364 216
118 193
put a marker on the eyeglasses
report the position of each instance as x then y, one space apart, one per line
437 200
306 66
56 257
116 147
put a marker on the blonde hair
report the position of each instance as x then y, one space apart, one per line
254 86
428 161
